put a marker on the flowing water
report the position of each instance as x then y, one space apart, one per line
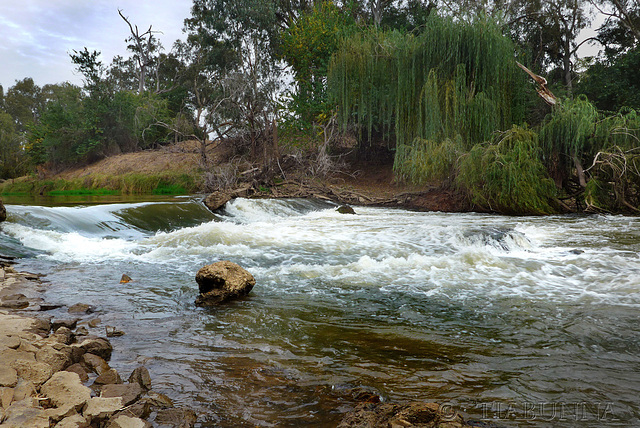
522 321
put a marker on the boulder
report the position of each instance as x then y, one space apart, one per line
8 376
109 377
68 323
25 413
95 364
65 388
140 376
81 308
129 392
79 370
98 346
345 209
3 212
56 359
14 301
35 371
216 201
221 282
75 421
24 389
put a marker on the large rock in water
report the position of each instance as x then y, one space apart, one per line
221 282
216 201
3 212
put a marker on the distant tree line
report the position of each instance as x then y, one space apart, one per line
431 83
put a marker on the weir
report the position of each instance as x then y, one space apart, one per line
479 311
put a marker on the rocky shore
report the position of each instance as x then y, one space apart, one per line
54 374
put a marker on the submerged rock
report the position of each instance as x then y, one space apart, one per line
221 282
345 209
216 201
418 414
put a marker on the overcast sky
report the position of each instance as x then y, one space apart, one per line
37 35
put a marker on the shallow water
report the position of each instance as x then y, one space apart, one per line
523 321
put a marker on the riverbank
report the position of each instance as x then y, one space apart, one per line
55 372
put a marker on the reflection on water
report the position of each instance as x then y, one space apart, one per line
495 315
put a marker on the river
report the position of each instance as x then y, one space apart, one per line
520 321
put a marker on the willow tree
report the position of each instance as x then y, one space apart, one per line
455 81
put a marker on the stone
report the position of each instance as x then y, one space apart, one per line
24 389
140 375
216 201
109 377
418 414
81 308
27 346
56 414
140 409
65 388
113 331
9 342
6 397
97 346
159 400
25 413
124 421
8 376
82 331
79 370
56 359
35 371
221 282
70 324
14 301
102 408
75 421
63 335
345 209
95 363
129 392
176 417
94 322
41 327
125 279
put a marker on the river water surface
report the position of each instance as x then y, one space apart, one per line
520 321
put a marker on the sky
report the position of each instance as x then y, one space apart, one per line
38 35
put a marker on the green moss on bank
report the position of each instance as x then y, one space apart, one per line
160 184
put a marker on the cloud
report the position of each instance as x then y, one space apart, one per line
40 34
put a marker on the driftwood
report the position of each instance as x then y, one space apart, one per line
542 89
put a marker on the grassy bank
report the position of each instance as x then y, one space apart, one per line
128 184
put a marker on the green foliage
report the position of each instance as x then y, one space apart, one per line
507 175
432 161
456 80
307 47
12 159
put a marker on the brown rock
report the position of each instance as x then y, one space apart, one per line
65 388
25 413
56 359
14 301
109 377
345 209
8 376
24 389
63 335
97 346
158 400
56 414
113 331
41 327
6 397
125 279
95 363
140 376
35 371
8 356
81 308
176 417
94 322
99 408
79 370
129 392
221 282
140 409
9 342
75 421
124 421
216 201
428 415
70 324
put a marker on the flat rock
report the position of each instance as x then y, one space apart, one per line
56 414
124 421
24 389
25 413
56 359
65 388
14 301
9 342
6 397
129 392
68 323
35 371
8 376
159 400
75 421
102 408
